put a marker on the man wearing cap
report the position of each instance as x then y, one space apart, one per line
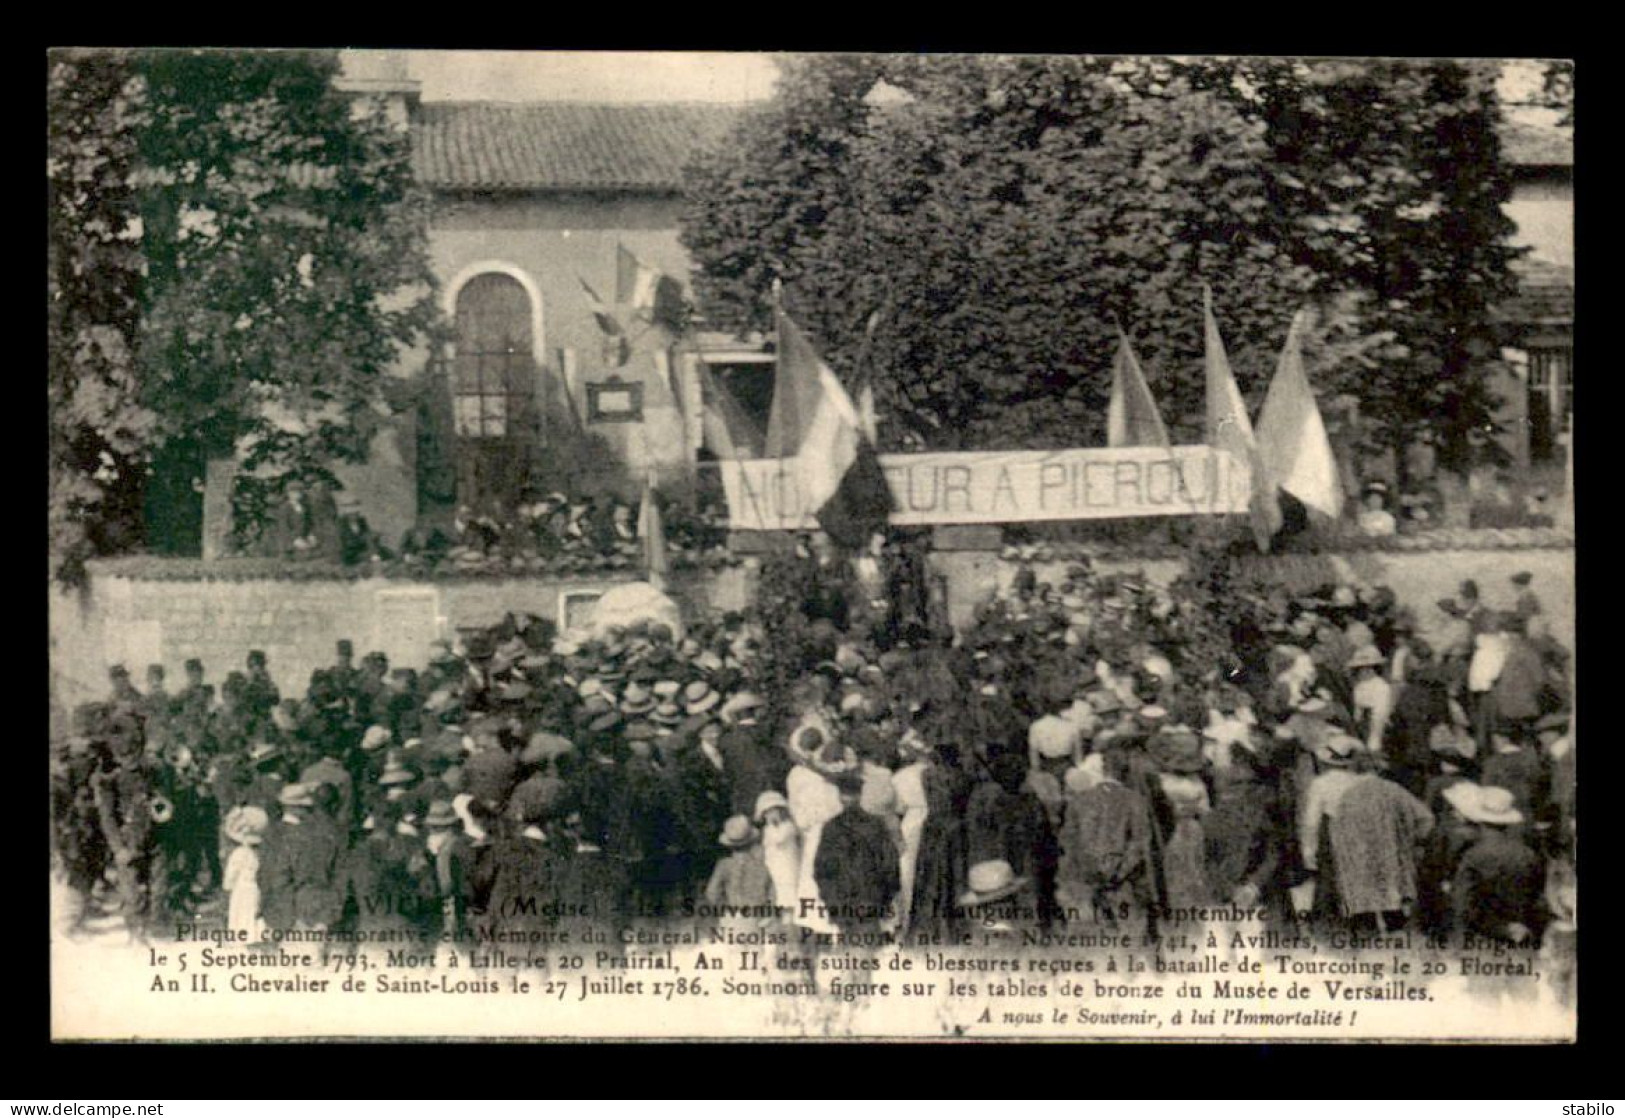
124 693
127 811
194 701
1528 603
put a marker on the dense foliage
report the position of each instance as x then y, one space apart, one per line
239 256
1006 214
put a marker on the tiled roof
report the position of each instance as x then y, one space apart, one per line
1545 295
561 145
1527 144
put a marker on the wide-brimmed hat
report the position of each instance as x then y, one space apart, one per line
990 881
246 824
262 751
668 714
737 831
596 706
1483 804
1053 736
296 795
1337 748
543 747
1177 749
1446 738
395 773
442 813
1366 656
1557 721
637 700
766 802
699 697
605 722
742 703
667 689
913 743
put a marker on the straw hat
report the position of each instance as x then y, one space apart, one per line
699 697
442 813
766 802
246 825
1053 736
296 795
1366 656
737 831
1480 804
1337 748
990 881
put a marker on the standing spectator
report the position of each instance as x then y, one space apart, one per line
1105 847
1498 888
299 867
1376 832
245 830
856 866
741 880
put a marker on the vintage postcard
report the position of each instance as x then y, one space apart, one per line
720 545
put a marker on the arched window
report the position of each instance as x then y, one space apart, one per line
494 371
493 388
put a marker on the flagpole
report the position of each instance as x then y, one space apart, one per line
1207 396
777 295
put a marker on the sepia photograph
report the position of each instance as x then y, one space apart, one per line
696 545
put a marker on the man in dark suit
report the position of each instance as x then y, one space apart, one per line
261 694
299 867
752 764
857 866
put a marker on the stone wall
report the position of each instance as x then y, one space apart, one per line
139 621
1420 578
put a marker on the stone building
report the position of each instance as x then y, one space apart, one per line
1539 400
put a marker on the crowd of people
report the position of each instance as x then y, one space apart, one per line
543 532
1064 761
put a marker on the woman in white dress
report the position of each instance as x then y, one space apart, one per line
781 847
912 808
245 828
814 801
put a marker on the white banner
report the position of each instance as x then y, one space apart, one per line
995 487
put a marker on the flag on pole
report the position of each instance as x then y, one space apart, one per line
1228 428
866 379
617 347
1292 440
607 322
635 282
814 421
727 428
652 535
1132 418
567 387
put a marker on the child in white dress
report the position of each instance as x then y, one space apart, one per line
245 828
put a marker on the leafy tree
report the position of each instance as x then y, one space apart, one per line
280 265
99 426
1008 213
1389 178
